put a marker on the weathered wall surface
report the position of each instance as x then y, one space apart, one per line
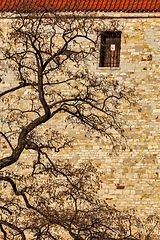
132 177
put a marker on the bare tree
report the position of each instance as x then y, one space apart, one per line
46 54
64 206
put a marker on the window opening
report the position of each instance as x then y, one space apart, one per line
110 49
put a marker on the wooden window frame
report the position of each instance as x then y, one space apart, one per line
110 49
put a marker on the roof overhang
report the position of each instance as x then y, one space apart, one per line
96 15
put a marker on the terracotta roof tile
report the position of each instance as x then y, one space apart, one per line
76 5
118 5
113 4
150 4
99 5
107 5
94 5
80 5
125 6
83 5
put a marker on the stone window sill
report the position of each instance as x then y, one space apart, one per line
108 68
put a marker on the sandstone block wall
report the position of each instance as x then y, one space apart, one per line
131 178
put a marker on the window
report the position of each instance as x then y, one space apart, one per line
110 49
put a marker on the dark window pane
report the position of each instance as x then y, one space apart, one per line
110 49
